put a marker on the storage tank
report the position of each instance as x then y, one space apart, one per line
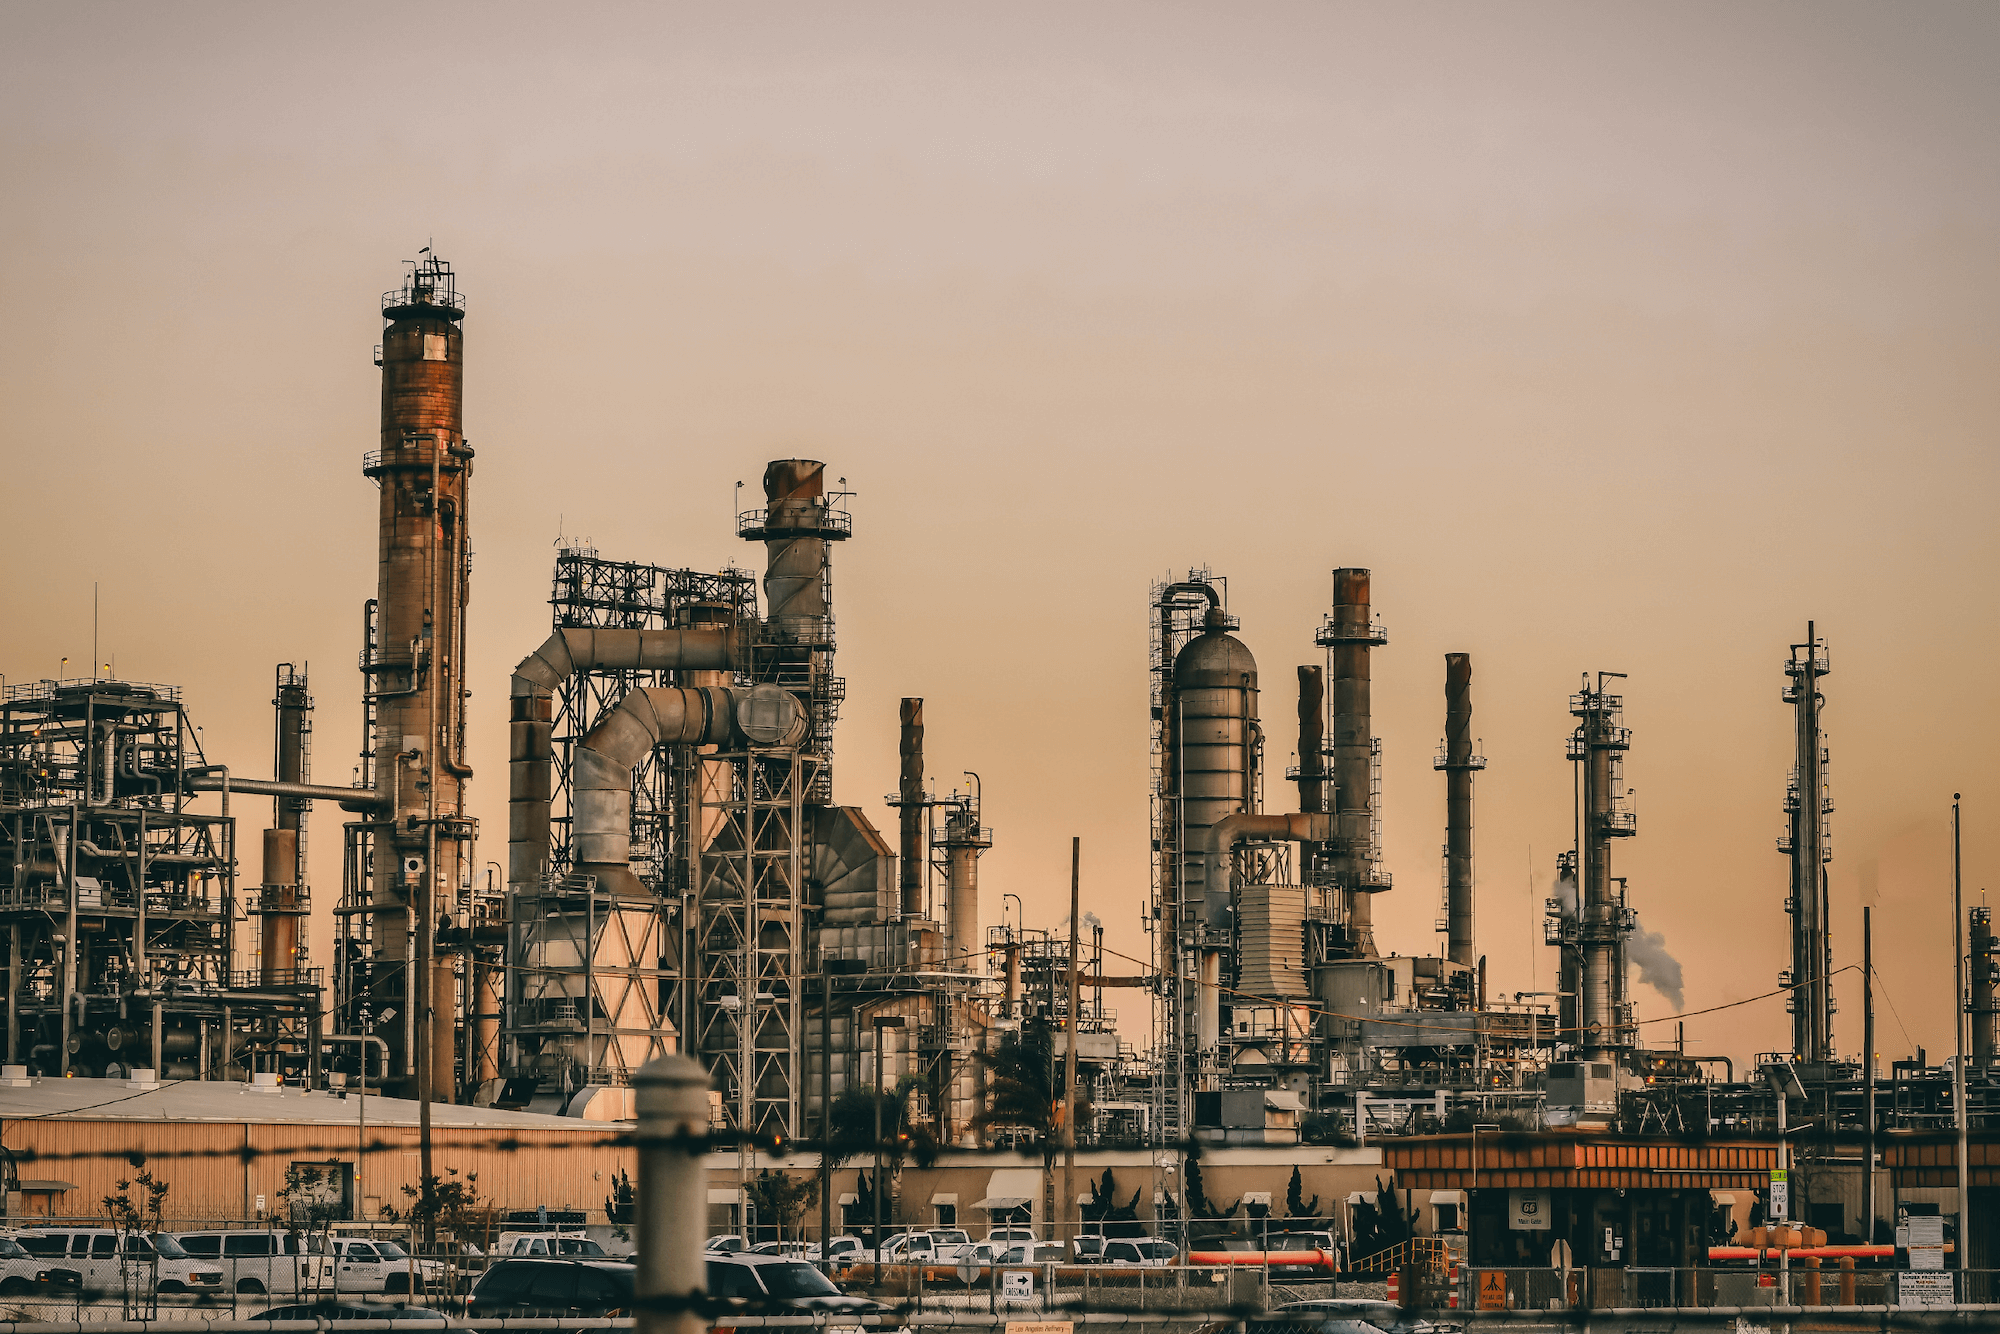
1216 746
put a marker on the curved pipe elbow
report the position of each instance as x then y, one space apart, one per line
570 650
1226 833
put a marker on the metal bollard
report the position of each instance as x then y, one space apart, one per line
1847 1280
671 1194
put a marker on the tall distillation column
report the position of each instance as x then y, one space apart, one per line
1215 750
415 668
1807 804
1458 763
911 812
1983 952
282 899
1598 747
1347 635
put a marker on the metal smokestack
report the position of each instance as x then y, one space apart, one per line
1459 764
1807 804
1598 746
1312 739
1347 635
912 810
415 669
1984 952
282 899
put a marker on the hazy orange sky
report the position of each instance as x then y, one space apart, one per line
1611 337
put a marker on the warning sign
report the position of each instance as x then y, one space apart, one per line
1923 1289
1492 1289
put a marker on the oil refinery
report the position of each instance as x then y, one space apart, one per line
683 874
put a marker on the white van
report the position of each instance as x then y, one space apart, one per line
99 1262
256 1262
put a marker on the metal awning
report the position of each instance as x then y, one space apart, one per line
850 1198
1284 1098
1262 1197
1001 1202
46 1187
717 1195
1447 1197
951 1199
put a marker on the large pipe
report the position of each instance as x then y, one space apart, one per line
1348 634
910 792
531 752
764 715
349 798
1459 765
1215 750
1220 839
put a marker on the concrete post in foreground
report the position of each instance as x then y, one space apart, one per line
671 1195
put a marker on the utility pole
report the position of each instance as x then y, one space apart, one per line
1958 1003
1868 1071
1069 1057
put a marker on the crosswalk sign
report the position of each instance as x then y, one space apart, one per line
1492 1289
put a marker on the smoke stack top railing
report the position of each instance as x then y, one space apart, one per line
430 288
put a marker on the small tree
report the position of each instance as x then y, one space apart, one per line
783 1199
439 1202
1296 1205
305 1197
130 1214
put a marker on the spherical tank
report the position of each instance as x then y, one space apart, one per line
1215 758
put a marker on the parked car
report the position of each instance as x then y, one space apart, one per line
579 1248
1010 1235
1140 1251
795 1249
842 1251
100 1264
948 1243
333 1310
20 1272
727 1243
1087 1248
548 1287
908 1248
786 1285
258 1261
990 1253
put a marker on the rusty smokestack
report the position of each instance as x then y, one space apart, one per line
415 670
1459 764
282 899
912 810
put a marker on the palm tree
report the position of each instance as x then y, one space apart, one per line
1024 1090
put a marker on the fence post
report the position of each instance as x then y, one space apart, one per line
670 1197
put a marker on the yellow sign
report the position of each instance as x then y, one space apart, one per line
1492 1289
1040 1327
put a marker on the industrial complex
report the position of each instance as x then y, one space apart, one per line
683 874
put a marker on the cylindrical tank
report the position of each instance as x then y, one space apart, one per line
964 839
279 897
415 666
1215 752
